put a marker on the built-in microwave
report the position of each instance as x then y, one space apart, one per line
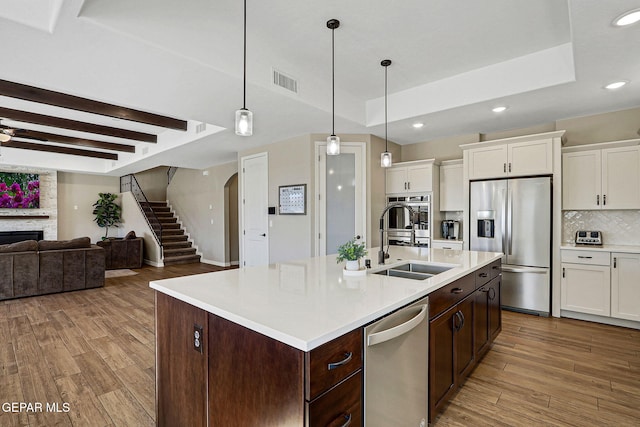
400 223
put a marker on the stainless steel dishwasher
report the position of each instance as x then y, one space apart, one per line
396 368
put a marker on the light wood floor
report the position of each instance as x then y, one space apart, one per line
94 350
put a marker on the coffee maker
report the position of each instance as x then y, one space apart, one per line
450 229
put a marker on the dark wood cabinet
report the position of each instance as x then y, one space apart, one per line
238 377
181 368
465 318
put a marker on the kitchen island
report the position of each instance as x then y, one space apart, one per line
251 346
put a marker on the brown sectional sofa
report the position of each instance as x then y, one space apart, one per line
36 268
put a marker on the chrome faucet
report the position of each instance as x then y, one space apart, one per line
381 253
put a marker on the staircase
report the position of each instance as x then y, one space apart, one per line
175 247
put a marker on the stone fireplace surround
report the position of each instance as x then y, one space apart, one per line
45 218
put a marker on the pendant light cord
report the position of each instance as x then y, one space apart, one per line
386 149
333 83
244 88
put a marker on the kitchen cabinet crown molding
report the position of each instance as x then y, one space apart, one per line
415 163
525 138
601 145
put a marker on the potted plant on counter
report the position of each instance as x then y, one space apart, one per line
351 252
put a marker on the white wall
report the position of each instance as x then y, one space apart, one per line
198 199
134 220
81 191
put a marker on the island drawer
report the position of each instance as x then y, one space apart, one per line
332 362
488 272
451 294
340 406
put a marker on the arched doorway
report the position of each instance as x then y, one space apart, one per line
231 234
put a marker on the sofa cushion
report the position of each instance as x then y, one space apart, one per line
24 246
77 243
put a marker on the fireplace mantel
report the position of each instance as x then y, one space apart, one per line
24 217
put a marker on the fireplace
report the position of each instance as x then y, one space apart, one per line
18 236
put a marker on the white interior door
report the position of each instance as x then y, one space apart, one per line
340 186
255 199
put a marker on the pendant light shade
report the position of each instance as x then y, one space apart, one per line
244 117
333 142
385 158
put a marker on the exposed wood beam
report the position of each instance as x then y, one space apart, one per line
63 139
58 122
57 149
49 97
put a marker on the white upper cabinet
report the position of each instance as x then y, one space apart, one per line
451 186
511 159
410 177
607 178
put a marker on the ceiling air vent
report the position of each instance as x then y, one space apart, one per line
285 81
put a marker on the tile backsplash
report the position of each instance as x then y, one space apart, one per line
618 227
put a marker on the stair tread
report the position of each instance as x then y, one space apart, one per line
184 251
176 244
184 259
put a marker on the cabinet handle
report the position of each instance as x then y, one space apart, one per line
345 419
504 167
584 257
405 185
598 200
483 275
461 319
408 185
615 262
509 166
444 247
492 294
334 365
456 316
456 291
604 200
563 272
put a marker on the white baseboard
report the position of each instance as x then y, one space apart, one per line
600 319
218 263
154 263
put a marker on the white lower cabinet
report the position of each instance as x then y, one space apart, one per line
586 288
625 286
601 283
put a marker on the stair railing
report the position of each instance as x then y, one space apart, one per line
130 183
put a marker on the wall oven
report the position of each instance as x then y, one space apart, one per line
400 223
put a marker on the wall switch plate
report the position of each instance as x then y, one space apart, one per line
197 338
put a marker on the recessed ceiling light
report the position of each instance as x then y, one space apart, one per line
616 85
418 125
627 18
499 109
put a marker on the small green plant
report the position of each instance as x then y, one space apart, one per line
107 212
351 251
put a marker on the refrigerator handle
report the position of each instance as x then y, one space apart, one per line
510 201
504 223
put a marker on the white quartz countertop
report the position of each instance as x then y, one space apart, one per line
603 248
309 302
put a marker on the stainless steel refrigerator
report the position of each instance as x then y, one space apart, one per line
513 216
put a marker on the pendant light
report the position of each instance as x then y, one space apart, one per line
385 158
333 142
244 117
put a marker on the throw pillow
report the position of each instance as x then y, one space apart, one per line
130 235
24 246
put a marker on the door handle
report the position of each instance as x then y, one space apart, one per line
534 270
396 331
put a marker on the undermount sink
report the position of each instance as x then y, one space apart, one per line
415 270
